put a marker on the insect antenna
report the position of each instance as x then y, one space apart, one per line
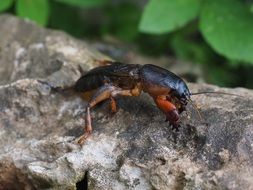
208 92
212 92
196 108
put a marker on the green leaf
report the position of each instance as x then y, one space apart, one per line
227 25
123 21
84 3
161 16
5 4
36 10
251 8
189 50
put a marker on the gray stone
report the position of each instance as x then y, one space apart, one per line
133 149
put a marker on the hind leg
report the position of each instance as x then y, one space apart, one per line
113 105
102 94
105 92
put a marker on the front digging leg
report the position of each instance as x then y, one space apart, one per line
169 109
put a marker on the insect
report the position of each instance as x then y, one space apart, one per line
169 91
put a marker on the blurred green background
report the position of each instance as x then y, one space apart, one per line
216 34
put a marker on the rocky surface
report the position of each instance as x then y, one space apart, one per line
132 149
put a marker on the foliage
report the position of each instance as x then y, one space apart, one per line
37 10
217 34
84 3
5 4
227 25
165 16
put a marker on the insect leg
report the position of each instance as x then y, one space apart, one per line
105 92
169 109
102 94
113 105
136 91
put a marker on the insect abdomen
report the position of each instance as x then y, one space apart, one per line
89 82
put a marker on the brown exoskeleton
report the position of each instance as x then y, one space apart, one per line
169 91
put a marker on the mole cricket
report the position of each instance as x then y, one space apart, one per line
169 91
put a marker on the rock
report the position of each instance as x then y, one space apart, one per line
133 149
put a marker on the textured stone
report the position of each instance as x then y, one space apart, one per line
133 149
